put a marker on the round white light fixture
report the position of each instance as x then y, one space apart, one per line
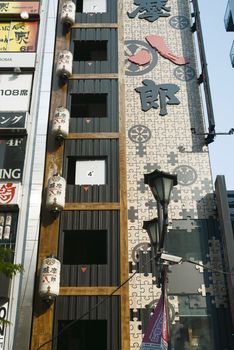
24 15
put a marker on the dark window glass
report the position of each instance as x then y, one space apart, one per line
85 247
90 50
83 335
79 6
89 105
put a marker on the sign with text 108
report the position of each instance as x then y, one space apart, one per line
12 153
15 91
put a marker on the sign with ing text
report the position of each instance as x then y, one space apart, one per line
12 154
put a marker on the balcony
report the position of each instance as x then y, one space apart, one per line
228 19
232 54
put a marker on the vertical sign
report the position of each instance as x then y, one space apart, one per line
3 316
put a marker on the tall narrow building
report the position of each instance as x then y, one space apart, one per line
112 91
229 25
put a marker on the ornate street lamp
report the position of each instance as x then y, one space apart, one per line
161 184
151 227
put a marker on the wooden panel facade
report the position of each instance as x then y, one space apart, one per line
102 207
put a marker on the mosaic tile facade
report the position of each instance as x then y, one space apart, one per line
167 143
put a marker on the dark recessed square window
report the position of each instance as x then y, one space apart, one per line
85 247
86 171
90 50
83 335
88 105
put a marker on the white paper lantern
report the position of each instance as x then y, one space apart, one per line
55 199
60 123
49 278
68 13
64 64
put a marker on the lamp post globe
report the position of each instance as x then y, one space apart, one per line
151 227
161 185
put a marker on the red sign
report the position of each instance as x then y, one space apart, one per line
9 193
156 336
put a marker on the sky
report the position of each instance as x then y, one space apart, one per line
218 44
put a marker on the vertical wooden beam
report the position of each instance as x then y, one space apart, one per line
42 324
125 312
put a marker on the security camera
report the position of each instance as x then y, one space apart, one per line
173 259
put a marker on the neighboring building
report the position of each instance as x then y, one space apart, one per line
128 76
225 205
229 25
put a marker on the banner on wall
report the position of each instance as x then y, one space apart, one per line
9 193
18 36
13 59
15 91
156 336
11 7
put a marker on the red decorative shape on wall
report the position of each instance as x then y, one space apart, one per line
158 43
140 58
83 268
86 188
7 192
88 120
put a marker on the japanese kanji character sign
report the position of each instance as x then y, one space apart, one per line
151 94
150 10
7 193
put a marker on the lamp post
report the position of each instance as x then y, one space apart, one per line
161 185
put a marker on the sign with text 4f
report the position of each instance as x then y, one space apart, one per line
3 316
9 193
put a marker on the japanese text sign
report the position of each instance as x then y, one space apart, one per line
18 36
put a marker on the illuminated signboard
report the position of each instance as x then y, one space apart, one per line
15 92
9 7
12 153
18 36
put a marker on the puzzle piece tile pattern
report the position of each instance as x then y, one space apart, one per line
167 143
